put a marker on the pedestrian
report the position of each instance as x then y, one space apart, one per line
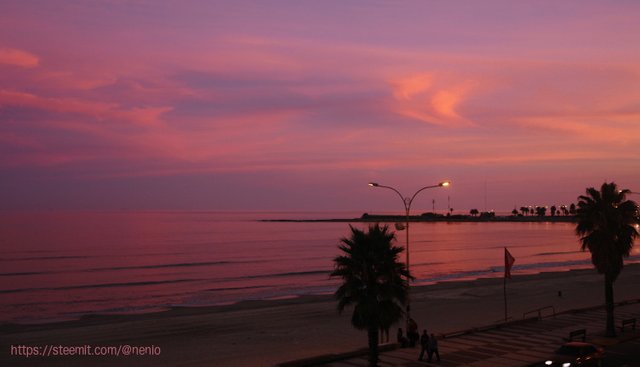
401 339
424 343
433 347
384 334
412 333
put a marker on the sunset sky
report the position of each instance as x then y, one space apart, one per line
296 105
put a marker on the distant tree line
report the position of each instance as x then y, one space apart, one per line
539 211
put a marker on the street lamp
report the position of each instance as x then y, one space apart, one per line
407 208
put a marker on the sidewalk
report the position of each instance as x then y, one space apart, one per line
516 344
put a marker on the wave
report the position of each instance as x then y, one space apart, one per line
103 300
161 266
276 275
287 274
45 258
562 264
510 246
25 273
427 263
101 285
118 268
453 276
236 288
557 253
543 265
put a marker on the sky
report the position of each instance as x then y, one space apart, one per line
297 105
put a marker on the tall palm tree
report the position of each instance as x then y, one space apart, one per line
607 227
374 281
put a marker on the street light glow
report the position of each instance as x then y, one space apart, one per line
406 201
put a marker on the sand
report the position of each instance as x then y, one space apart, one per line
267 332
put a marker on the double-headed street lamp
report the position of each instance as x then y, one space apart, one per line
407 208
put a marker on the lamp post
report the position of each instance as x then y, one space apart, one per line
406 201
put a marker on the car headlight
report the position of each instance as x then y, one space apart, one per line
548 363
566 364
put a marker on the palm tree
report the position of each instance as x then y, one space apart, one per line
524 210
606 226
373 281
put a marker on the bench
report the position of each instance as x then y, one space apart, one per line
628 322
580 333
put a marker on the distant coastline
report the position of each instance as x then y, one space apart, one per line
430 217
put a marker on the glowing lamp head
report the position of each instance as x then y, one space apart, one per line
373 184
445 183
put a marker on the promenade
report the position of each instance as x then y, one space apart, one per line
519 343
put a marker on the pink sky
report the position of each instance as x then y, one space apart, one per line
289 105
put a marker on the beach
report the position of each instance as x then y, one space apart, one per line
263 333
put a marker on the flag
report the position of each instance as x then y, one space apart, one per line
508 263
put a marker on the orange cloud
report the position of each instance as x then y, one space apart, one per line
407 88
14 57
445 103
424 98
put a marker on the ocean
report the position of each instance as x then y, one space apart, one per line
63 265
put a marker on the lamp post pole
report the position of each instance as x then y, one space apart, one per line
407 201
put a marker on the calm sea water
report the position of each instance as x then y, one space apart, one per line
57 266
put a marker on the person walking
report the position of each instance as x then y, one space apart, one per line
384 335
402 340
412 333
433 347
424 343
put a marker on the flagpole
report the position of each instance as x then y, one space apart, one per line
505 298
508 263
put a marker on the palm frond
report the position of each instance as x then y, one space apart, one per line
607 226
374 280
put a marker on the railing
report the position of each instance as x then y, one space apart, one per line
539 311
503 320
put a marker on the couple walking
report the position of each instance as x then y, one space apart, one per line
430 345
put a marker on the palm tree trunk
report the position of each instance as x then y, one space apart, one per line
373 346
608 296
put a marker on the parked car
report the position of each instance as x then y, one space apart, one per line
575 354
